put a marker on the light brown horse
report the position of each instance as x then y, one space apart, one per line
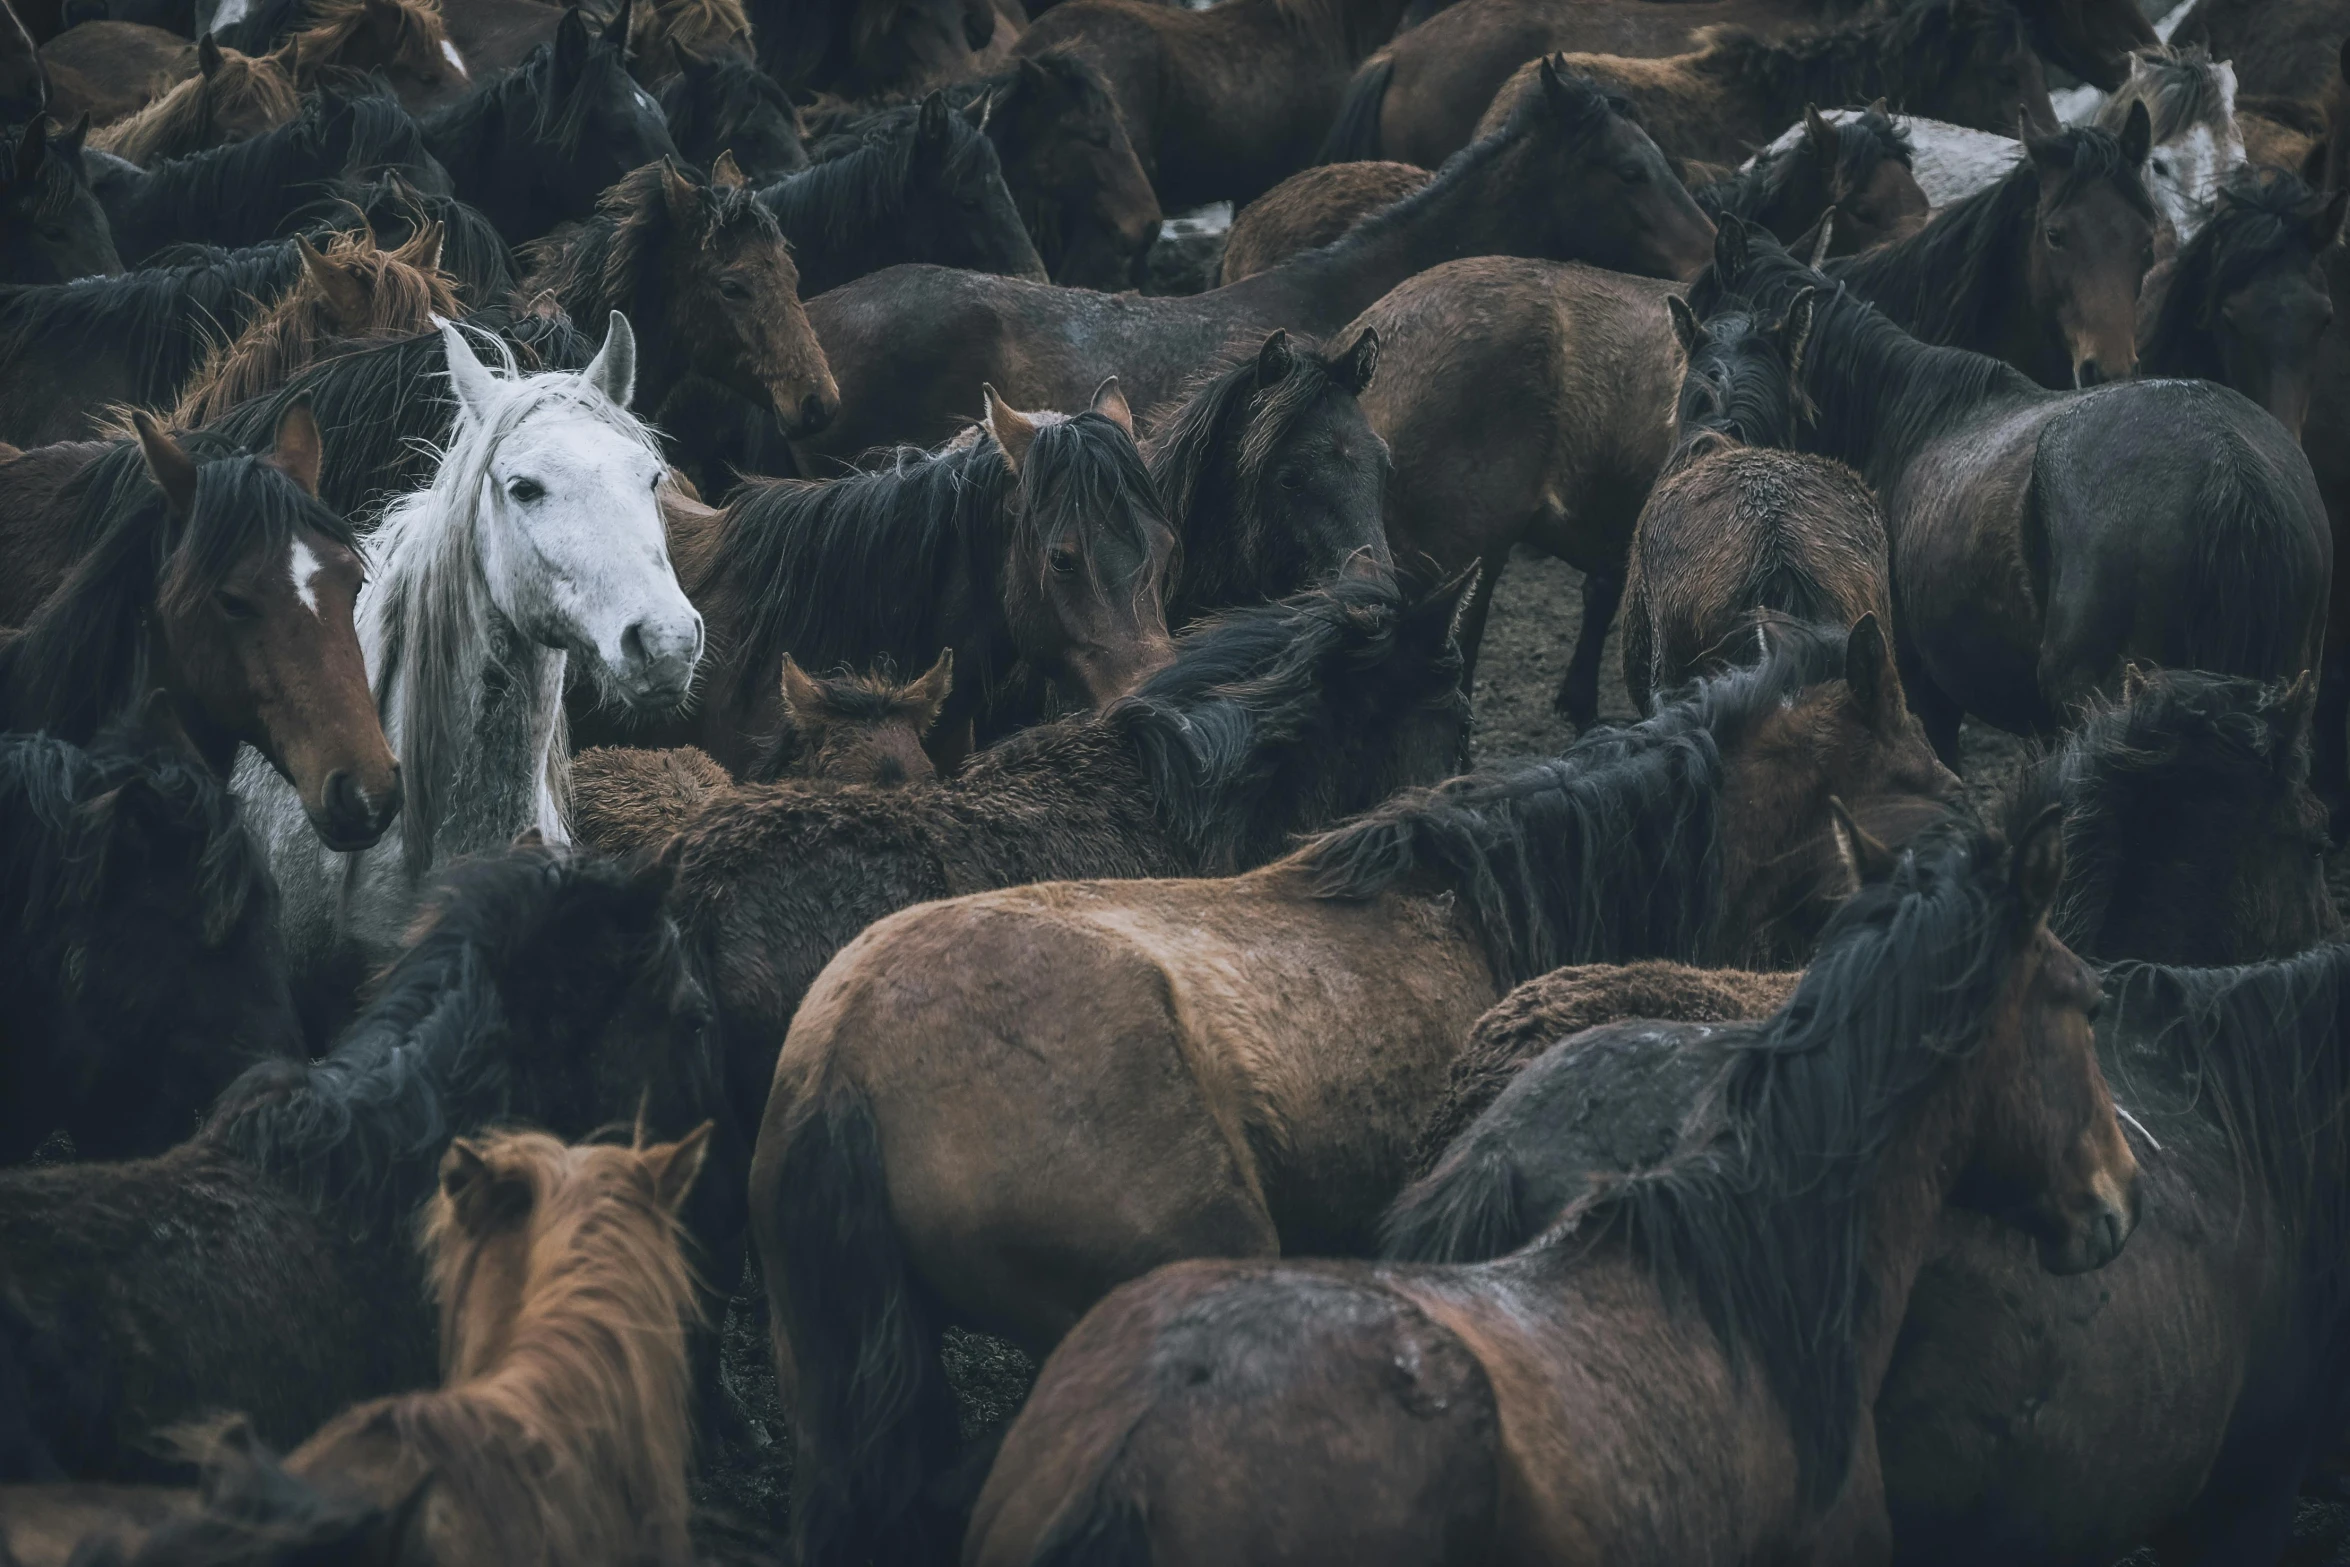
349 294
231 96
1310 209
1681 1370
1092 1078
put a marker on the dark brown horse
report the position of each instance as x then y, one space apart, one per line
866 48
1857 169
2171 522
1735 531
2280 48
231 96
1071 167
1419 98
1964 62
1683 1370
1262 1043
52 229
213 575
1222 104
1568 178
701 262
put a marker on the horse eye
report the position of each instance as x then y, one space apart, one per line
2162 167
2055 239
235 607
731 289
1063 560
1290 479
1632 174
526 490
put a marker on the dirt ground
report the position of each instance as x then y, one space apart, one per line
1537 610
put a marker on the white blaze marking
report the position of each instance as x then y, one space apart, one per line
448 49
303 568
230 13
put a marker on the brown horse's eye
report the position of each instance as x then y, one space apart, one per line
1063 560
2053 236
235 607
1290 479
728 288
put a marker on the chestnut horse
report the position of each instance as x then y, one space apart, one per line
1682 1369
231 96
1261 1045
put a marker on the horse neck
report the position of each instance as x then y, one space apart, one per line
1915 1177
1343 30
1872 415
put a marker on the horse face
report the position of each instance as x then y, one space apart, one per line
1321 494
1888 203
1075 158
968 217
2269 332
1620 206
2051 1157
739 307
2090 250
52 229
625 130
2184 174
576 555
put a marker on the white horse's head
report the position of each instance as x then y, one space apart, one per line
572 550
2191 102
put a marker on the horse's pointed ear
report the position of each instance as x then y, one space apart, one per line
481 1197
1870 676
1013 430
726 174
980 109
571 44
673 1166
1882 106
1731 251
1687 330
2137 135
31 148
469 378
2134 682
2326 229
616 30
927 695
2039 866
1274 360
1820 134
208 57
1823 237
1110 402
1794 329
2044 146
173 470
427 245
69 145
803 698
613 370
1361 361
680 195
1862 853
930 129
345 295
299 452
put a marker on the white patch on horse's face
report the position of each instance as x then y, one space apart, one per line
449 53
302 568
577 556
2183 175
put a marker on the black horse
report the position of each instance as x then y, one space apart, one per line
141 969
52 229
730 105
2168 522
535 146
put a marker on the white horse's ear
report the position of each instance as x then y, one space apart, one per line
613 370
475 387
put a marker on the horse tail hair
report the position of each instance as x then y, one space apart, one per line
2248 607
876 1419
1354 135
1466 1210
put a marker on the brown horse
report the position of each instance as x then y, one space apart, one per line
703 264
349 294
231 96
1857 170
1569 177
1736 530
1312 208
2279 48
1225 103
1262 1044
404 41
110 70
219 577
1682 1369
1420 98
666 36
1963 63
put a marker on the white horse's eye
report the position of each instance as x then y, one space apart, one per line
525 490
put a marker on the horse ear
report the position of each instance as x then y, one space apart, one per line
345 295
1863 854
69 145
1820 134
726 174
1731 251
1687 330
1013 430
980 109
1361 361
208 58
927 695
469 378
1110 402
427 245
2134 681
616 30
2137 135
571 44
2039 865
1870 676
930 129
482 1198
1274 361
679 195
1794 329
2045 147
613 370
803 698
299 452
173 470
1823 238
31 148
673 1166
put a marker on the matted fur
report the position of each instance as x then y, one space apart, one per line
331 25
402 299
181 121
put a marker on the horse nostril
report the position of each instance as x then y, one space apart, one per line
633 651
346 802
814 415
2086 374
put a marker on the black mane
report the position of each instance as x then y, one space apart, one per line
1738 387
2261 215
80 662
611 261
1754 192
529 91
1902 55
446 1043
473 252
1608 852
1944 283
862 179
709 104
1765 1222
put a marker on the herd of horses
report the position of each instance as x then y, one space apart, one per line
642 685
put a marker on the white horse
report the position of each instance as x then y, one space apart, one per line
539 537
2190 101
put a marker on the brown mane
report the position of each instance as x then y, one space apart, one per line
399 292
560 1433
666 35
421 37
255 85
